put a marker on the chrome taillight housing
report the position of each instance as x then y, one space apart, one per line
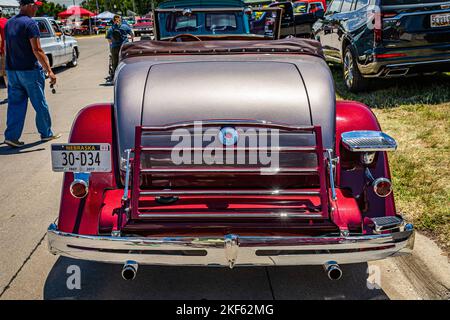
382 187
79 188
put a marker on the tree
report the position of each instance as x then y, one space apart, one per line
50 9
141 7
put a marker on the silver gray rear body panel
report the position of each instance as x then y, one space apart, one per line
286 89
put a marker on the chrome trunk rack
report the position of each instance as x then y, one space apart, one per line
141 202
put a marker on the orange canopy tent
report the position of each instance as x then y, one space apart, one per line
75 11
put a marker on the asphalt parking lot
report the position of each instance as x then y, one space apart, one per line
29 202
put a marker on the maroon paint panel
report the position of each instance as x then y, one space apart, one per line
352 116
93 124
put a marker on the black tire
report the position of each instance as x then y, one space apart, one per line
353 79
74 62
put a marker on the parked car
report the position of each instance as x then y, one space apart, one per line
298 17
146 180
385 38
61 49
143 26
224 19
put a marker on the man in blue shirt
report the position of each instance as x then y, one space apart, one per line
25 65
117 35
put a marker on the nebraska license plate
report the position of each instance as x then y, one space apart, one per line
440 20
81 157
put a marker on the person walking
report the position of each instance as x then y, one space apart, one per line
25 65
3 22
117 35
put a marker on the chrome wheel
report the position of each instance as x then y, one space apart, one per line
74 58
349 69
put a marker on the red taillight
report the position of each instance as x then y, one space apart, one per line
390 55
382 187
378 29
79 189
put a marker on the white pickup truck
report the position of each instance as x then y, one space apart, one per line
61 49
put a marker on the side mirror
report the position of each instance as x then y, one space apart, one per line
58 34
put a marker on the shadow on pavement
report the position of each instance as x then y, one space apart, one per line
104 281
107 84
7 150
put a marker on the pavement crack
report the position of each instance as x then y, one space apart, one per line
270 283
23 265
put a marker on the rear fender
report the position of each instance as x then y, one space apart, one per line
351 116
93 124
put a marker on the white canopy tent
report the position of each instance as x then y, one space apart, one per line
105 15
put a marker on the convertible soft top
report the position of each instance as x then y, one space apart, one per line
221 47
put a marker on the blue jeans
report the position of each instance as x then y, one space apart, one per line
23 85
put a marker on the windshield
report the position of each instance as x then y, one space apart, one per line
210 22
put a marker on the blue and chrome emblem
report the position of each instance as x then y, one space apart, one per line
228 136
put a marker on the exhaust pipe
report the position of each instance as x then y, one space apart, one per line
333 270
397 72
129 270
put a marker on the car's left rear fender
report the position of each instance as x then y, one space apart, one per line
93 124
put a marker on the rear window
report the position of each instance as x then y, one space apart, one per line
402 2
181 23
43 29
221 22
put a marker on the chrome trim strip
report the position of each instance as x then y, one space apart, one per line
215 123
230 192
406 64
237 215
261 170
127 175
222 149
419 5
311 250
331 173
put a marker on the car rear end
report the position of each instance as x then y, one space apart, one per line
410 37
215 167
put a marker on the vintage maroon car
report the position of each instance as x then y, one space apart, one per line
227 153
143 26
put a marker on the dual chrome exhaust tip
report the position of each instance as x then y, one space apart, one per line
129 270
332 270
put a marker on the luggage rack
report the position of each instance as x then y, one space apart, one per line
138 195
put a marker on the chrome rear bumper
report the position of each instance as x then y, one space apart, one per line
231 250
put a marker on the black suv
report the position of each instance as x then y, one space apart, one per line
385 38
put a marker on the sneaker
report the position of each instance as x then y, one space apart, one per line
53 137
14 143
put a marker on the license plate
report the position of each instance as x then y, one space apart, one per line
440 20
82 157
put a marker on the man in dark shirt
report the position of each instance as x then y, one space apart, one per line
117 35
25 65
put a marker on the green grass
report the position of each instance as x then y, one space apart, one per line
416 112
